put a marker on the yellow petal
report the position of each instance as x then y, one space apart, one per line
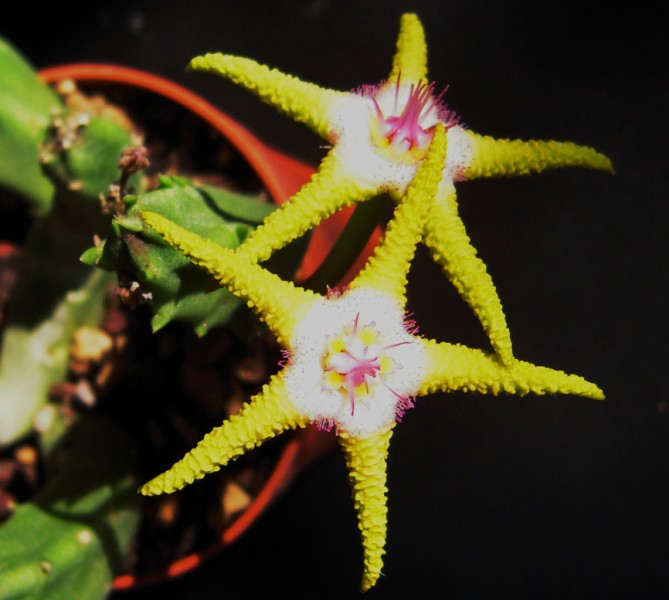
278 303
302 101
388 267
449 244
268 414
504 158
328 191
452 367
366 460
410 60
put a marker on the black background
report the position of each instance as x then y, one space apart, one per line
534 497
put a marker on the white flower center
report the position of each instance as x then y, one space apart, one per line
381 133
354 365
355 362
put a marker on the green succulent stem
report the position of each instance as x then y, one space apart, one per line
54 297
26 106
56 294
71 539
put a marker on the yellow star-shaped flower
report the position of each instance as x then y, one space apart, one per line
354 361
379 136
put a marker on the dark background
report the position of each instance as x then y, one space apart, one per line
535 497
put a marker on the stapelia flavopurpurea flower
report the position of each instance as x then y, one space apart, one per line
379 136
354 361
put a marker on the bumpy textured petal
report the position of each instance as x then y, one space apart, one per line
388 267
328 191
452 367
449 244
277 302
268 414
504 158
410 58
302 101
366 459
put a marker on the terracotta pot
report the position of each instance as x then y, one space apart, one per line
282 176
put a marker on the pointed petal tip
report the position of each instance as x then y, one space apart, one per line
494 157
167 483
579 386
598 394
409 17
203 62
195 63
155 487
366 460
369 581
302 101
410 57
209 60
145 490
597 160
607 165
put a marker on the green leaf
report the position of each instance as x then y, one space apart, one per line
56 293
37 338
237 206
26 104
178 289
90 164
72 540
